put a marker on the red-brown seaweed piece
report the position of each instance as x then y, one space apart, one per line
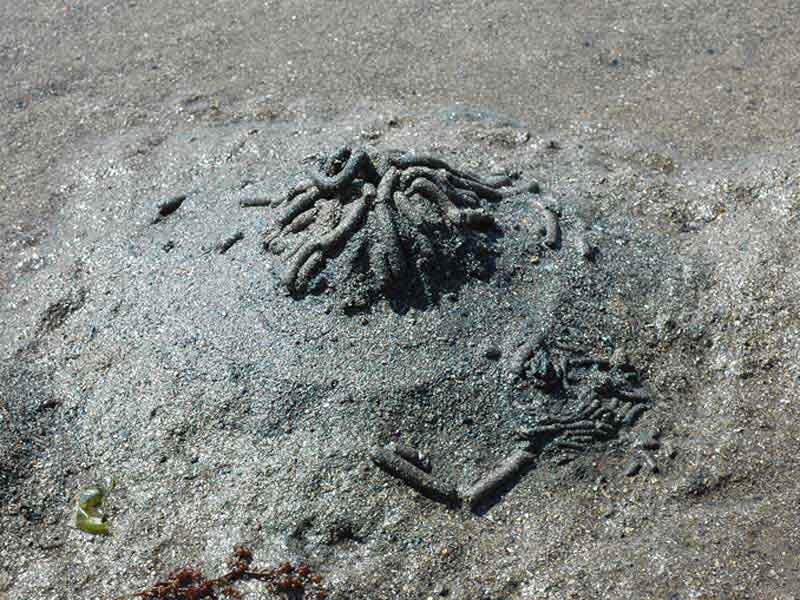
284 581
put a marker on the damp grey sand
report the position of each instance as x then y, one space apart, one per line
584 389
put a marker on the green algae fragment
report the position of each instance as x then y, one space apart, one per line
89 516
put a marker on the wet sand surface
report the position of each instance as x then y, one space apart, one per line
711 79
665 136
